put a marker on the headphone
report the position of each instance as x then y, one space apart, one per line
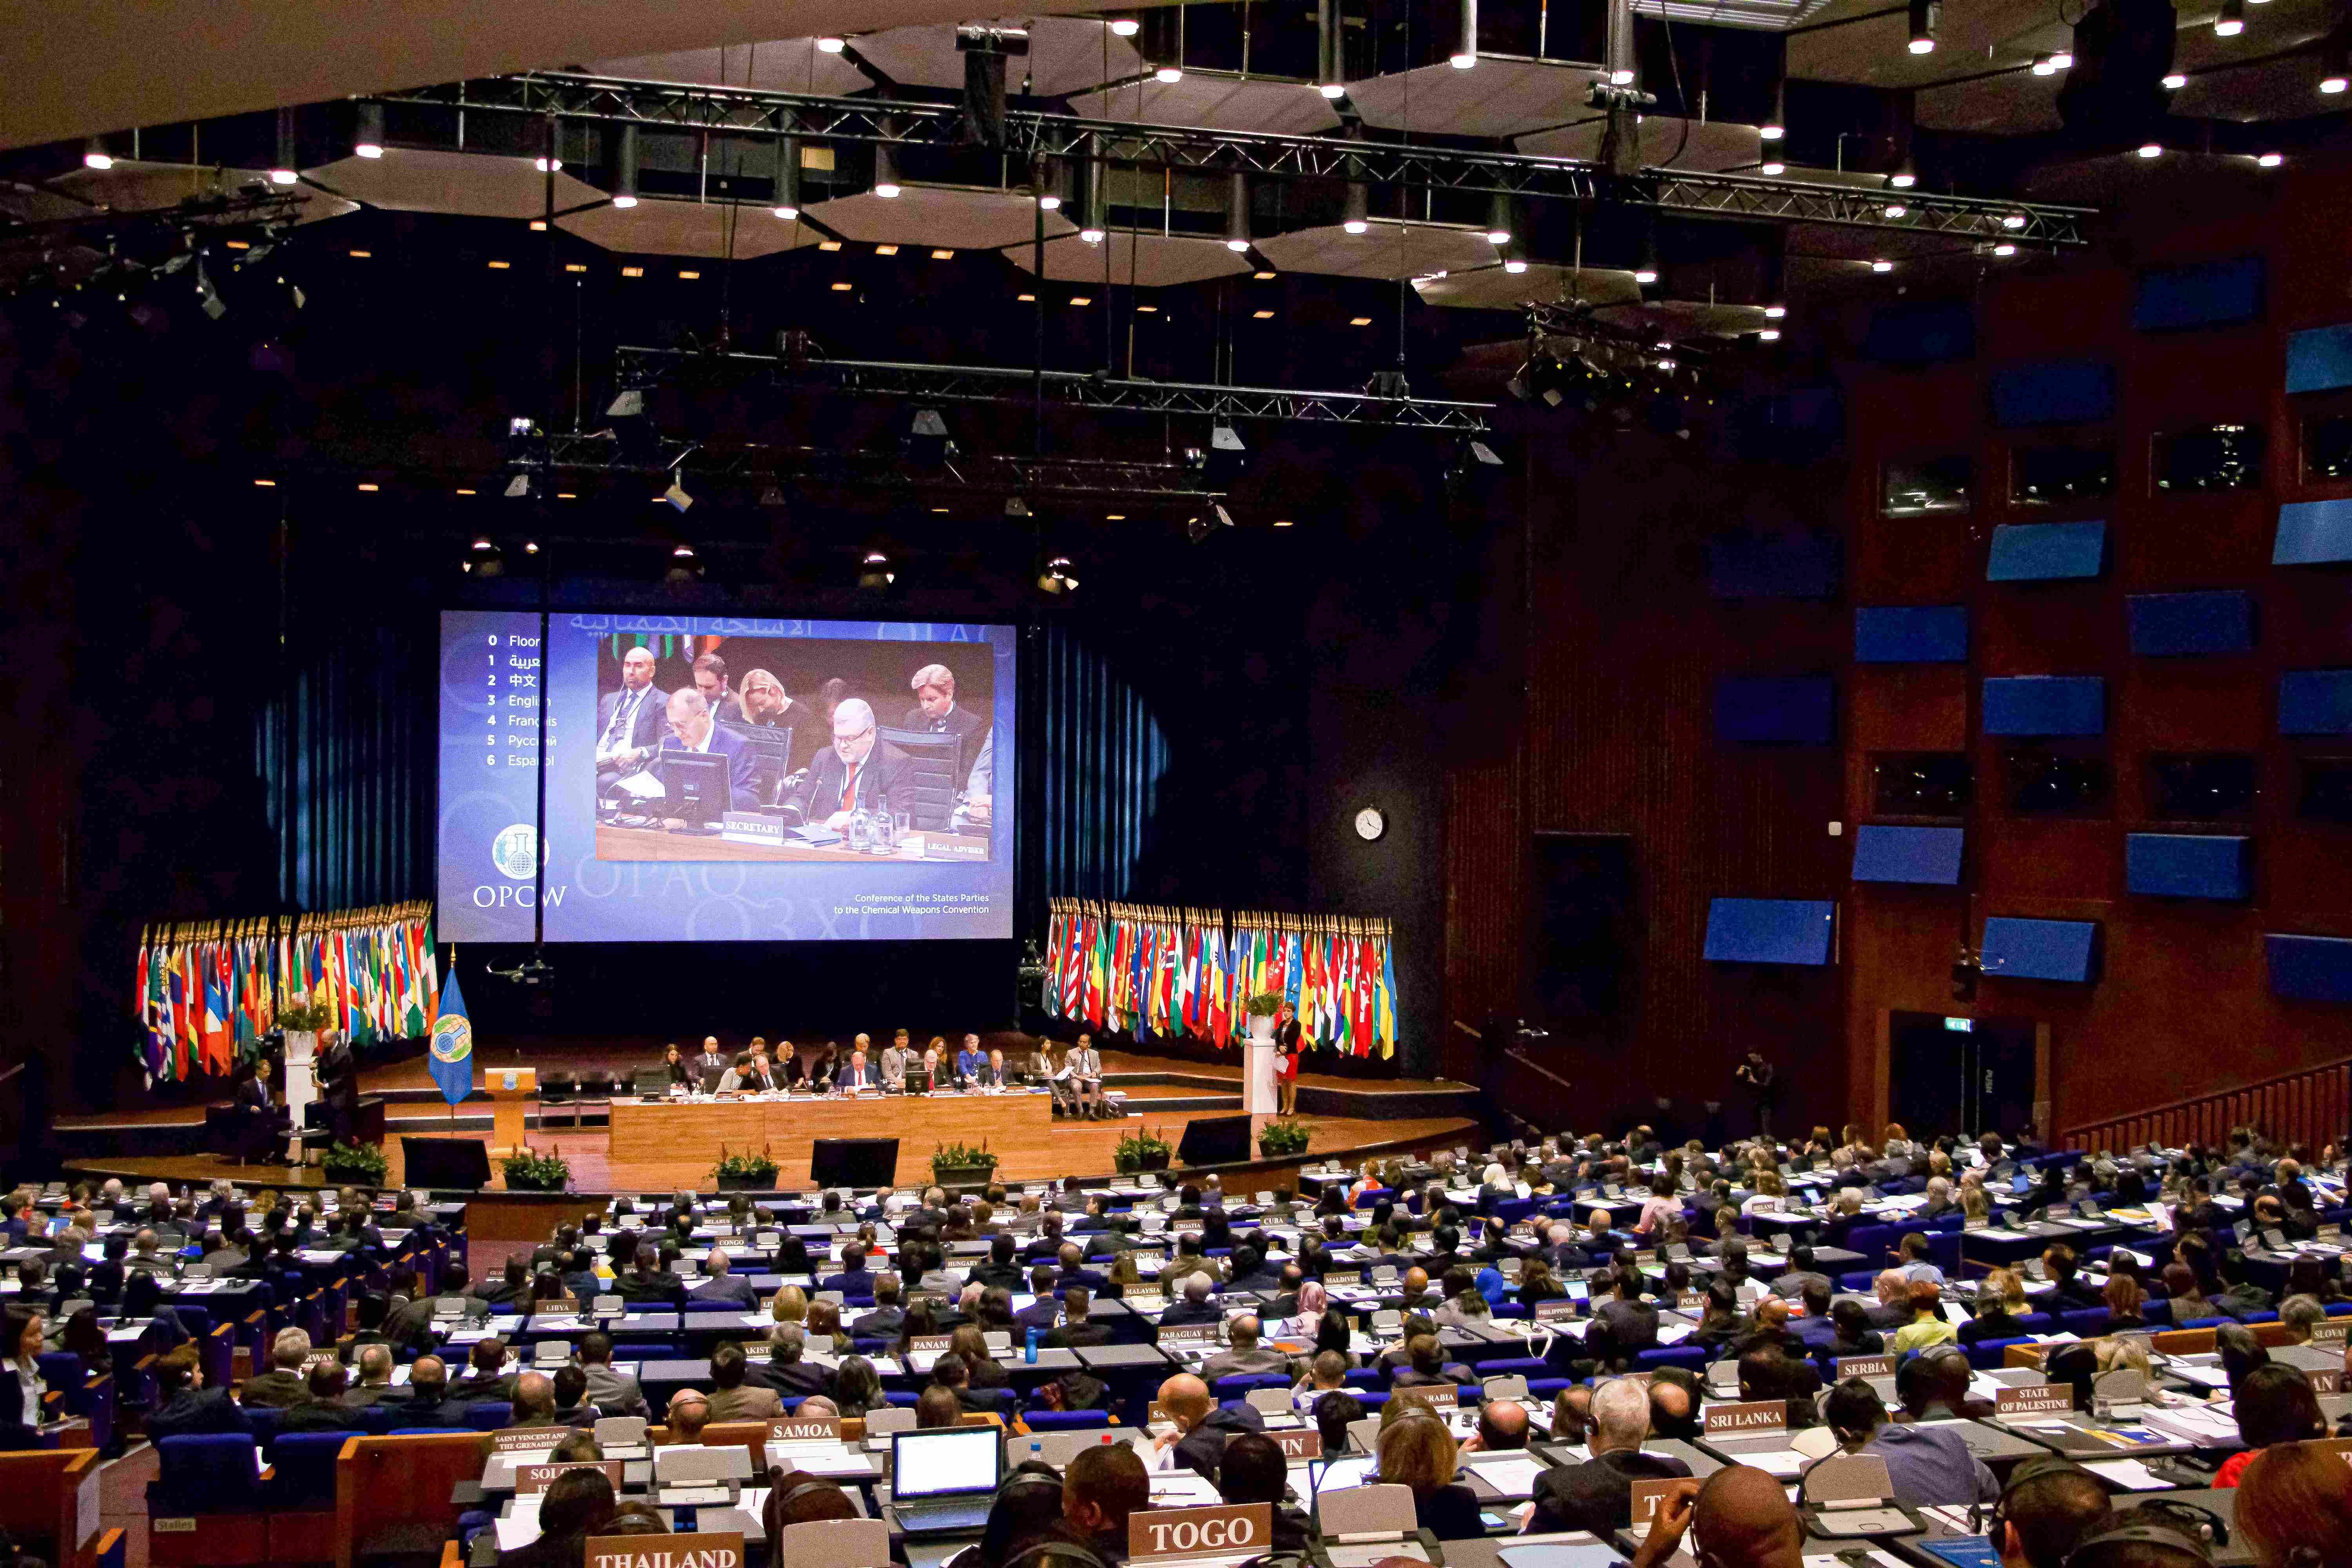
1988 1519
2089 1552
2197 1522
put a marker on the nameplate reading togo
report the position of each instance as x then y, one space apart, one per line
1865 1367
706 1550
1553 1312
1190 1531
538 1478
815 1429
522 1439
1761 1416
1305 1445
2034 1399
1188 1333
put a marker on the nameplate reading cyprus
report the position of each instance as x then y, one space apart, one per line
2034 1399
1245 1531
713 1549
1761 1416
815 1429
538 1478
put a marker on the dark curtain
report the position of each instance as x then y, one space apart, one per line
1106 758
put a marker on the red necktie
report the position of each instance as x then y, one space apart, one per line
849 788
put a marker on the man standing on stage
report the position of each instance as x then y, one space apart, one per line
897 1057
1085 1075
629 722
935 711
710 1065
968 1061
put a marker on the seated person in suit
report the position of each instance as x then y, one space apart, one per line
858 1074
721 1283
733 1399
712 1064
897 1057
691 729
935 711
995 1075
857 770
629 721
710 684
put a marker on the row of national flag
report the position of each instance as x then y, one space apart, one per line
208 992
1158 970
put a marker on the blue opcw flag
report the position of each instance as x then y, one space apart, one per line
453 1042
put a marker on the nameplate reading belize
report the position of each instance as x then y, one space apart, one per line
1761 1416
1245 1531
713 1549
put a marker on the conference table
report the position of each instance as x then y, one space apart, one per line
615 842
686 1136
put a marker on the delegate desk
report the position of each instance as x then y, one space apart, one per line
1017 1125
617 843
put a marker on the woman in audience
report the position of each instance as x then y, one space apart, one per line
2126 1302
2274 1405
921 1321
1538 1283
2001 1302
985 1371
1418 1452
1853 1335
2241 1353
579 1504
1769 1193
2187 1295
20 1377
1929 1326
856 1386
826 1335
681 1076
789 1305
2294 1507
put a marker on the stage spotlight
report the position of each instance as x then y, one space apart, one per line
2232 19
831 46
1771 165
2269 160
530 547
624 167
1482 455
684 567
2335 65
2151 150
1499 219
772 494
282 171
94 155
2004 250
2174 81
1905 176
628 404
886 174
1924 16
1774 312
1769 335
1124 27
207 296
1224 437
1057 576
1237 212
1647 273
1776 124
1355 218
2045 65
2064 59
1882 265
875 573
678 498
367 139
1169 74
926 439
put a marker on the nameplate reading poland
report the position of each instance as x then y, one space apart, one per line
1189 1531
1762 1415
711 1550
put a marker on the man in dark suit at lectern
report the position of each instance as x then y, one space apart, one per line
858 769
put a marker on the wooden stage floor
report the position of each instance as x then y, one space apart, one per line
1082 1148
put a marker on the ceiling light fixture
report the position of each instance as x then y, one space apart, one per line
1924 16
1776 124
94 155
367 138
1775 313
1169 74
2151 149
2174 81
2063 60
2231 20
282 173
1769 335
1237 213
2004 248
1772 166
624 167
831 46
2269 160
1124 27
1882 265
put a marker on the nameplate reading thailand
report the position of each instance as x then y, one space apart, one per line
1762 1415
1188 1333
1865 1367
2035 1399
815 1429
1553 1312
538 1478
524 1440
1245 1531
1299 1445
710 1550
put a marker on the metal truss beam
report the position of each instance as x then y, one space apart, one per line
1737 197
648 367
986 473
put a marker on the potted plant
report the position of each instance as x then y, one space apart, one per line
300 1022
532 1173
1261 1009
1144 1151
356 1164
745 1173
960 1164
1282 1139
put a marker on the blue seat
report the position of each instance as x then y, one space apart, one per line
2091 1322
489 1415
1065 1420
262 1421
1692 1357
1987 1355
214 1473
303 1467
1528 1366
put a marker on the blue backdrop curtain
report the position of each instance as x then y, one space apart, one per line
1105 757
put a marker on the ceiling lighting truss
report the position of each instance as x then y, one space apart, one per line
885 468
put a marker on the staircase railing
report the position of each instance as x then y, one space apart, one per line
2311 1105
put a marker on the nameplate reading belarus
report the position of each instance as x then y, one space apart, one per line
700 1550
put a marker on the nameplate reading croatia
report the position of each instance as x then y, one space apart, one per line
538 1478
704 1550
2034 1399
1762 1415
1245 1531
815 1429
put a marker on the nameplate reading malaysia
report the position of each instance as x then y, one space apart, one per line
815 1429
2034 1399
1865 1367
1761 1416
1245 1531
2331 1331
1554 1311
1188 1333
524 1440
538 1478
933 1344
703 1550
1307 1445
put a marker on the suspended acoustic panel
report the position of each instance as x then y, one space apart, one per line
1495 98
1672 319
1704 146
783 65
1768 930
1146 260
132 185
471 184
1543 283
1066 55
709 230
1214 104
957 217
2015 948
1391 248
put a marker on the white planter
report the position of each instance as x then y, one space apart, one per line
1261 1028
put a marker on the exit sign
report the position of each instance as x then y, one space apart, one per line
1962 1026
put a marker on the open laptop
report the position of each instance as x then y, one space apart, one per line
944 1480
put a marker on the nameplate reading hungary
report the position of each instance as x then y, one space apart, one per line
1247 1530
700 1550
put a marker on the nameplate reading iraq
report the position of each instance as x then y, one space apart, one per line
1245 1531
714 1550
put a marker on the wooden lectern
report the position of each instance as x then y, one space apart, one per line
511 1090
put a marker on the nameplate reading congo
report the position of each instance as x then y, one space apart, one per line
1865 1367
702 1550
1554 1311
538 1478
1188 1333
1190 1531
524 1440
815 1429
1304 1445
1761 1416
2034 1399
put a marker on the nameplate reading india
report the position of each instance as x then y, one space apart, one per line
700 1550
1187 1531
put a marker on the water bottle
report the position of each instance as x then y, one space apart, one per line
857 829
1029 1354
886 839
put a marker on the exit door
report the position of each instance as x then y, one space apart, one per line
1968 1075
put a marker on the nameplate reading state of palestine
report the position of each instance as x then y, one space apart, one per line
2034 1399
1299 1445
1245 1531
1762 1415
538 1478
1865 1367
698 1551
815 1429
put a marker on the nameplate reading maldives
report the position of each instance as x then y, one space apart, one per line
538 1478
815 1429
1245 1531
712 1550
1865 1367
2034 1399
1343 1279
1762 1415
1554 1311
1299 1445
1188 1333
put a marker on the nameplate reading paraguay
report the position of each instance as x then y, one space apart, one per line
1245 1531
2034 1399
1762 1415
713 1549
1188 1333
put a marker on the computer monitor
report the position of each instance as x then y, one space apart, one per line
460 1164
695 788
853 1161
937 769
1214 1141
950 1461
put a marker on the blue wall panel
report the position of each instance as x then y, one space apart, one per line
2319 358
2045 551
1768 930
2164 624
1774 709
1930 856
2188 865
2315 702
2046 705
1911 633
1921 333
2018 949
2207 294
2313 533
2309 968
2053 392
